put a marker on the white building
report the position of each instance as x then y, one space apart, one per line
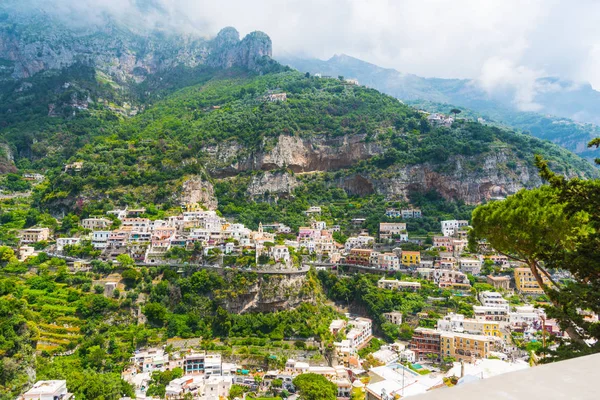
388 230
525 316
336 326
48 390
394 284
394 317
280 253
393 213
360 241
100 239
451 323
136 224
360 332
200 363
319 225
62 242
204 387
386 356
296 367
494 299
408 355
451 227
490 313
150 360
313 210
470 265
411 213
95 223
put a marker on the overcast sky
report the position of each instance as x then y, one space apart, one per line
497 42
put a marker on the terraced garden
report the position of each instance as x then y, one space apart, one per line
54 316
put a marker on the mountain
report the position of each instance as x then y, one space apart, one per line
61 85
116 115
262 148
567 115
33 42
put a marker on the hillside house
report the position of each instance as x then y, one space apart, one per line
411 258
96 223
394 284
411 213
48 390
34 235
273 97
394 317
499 282
389 230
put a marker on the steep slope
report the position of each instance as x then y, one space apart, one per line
232 129
34 40
566 116
62 84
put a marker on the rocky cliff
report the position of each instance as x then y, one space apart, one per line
7 163
316 153
197 190
35 42
227 50
455 179
274 293
277 183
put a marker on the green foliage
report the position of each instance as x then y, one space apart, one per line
160 380
14 183
362 291
551 227
315 387
147 156
237 391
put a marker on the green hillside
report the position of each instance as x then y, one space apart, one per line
144 158
566 114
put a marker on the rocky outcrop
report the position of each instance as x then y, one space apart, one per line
227 50
7 162
197 190
456 179
272 293
318 153
33 43
277 183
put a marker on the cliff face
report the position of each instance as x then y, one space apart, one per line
455 179
29 45
227 50
278 183
273 293
196 190
459 183
7 163
317 153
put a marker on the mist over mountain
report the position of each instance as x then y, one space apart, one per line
558 110
34 40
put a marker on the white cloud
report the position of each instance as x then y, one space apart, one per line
475 39
518 81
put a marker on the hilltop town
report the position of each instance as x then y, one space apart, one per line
184 217
480 316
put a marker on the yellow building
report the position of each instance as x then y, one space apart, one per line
525 281
484 327
464 347
411 258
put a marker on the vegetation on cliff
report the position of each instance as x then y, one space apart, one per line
148 156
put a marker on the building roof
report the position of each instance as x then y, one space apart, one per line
570 379
499 278
46 387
